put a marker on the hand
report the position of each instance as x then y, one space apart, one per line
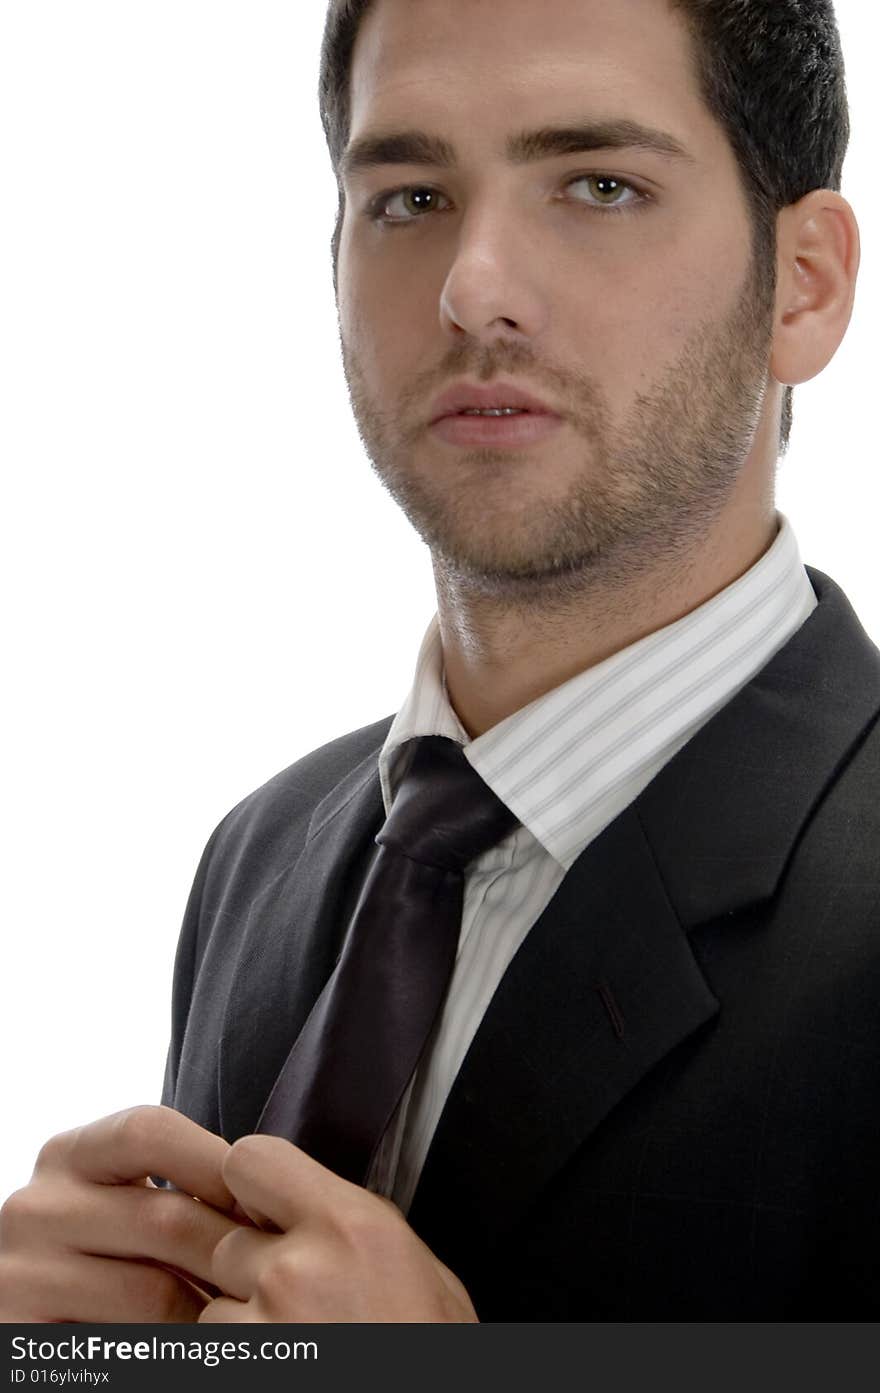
91 1239
338 1253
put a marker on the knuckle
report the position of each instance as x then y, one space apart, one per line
52 1152
19 1213
279 1282
172 1216
136 1127
38 1215
371 1224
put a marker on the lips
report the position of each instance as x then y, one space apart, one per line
497 395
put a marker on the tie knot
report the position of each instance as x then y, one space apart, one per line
444 814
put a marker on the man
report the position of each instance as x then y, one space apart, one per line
584 252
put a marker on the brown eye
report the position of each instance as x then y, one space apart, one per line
608 191
409 203
419 200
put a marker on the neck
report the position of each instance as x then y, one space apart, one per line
504 648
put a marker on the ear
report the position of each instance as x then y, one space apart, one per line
818 255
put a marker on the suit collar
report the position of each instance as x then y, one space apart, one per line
723 817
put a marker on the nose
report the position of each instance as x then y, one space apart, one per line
492 287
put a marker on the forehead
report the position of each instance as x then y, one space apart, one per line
483 66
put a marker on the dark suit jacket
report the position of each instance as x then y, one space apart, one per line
671 1110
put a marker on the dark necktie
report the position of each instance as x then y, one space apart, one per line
349 1066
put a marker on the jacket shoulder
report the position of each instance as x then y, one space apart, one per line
284 804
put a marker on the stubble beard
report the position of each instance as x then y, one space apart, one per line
647 491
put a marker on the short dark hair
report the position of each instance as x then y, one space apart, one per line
771 72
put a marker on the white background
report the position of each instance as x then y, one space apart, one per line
191 534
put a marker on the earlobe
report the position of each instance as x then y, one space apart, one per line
818 256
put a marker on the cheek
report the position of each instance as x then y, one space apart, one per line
625 326
390 319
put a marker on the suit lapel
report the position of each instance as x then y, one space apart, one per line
602 988
290 944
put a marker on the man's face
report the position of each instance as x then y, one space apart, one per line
616 285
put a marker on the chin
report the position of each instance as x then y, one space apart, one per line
526 568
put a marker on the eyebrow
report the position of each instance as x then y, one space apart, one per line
418 147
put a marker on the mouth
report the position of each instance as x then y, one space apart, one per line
497 401
496 428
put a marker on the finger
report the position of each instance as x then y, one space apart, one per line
92 1290
272 1177
239 1258
234 1210
225 1311
122 1221
166 1226
131 1145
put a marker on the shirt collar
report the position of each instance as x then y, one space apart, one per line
573 758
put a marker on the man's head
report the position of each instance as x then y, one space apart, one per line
633 289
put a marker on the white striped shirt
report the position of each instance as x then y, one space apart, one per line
567 764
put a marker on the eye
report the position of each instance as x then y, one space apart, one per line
608 189
406 204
